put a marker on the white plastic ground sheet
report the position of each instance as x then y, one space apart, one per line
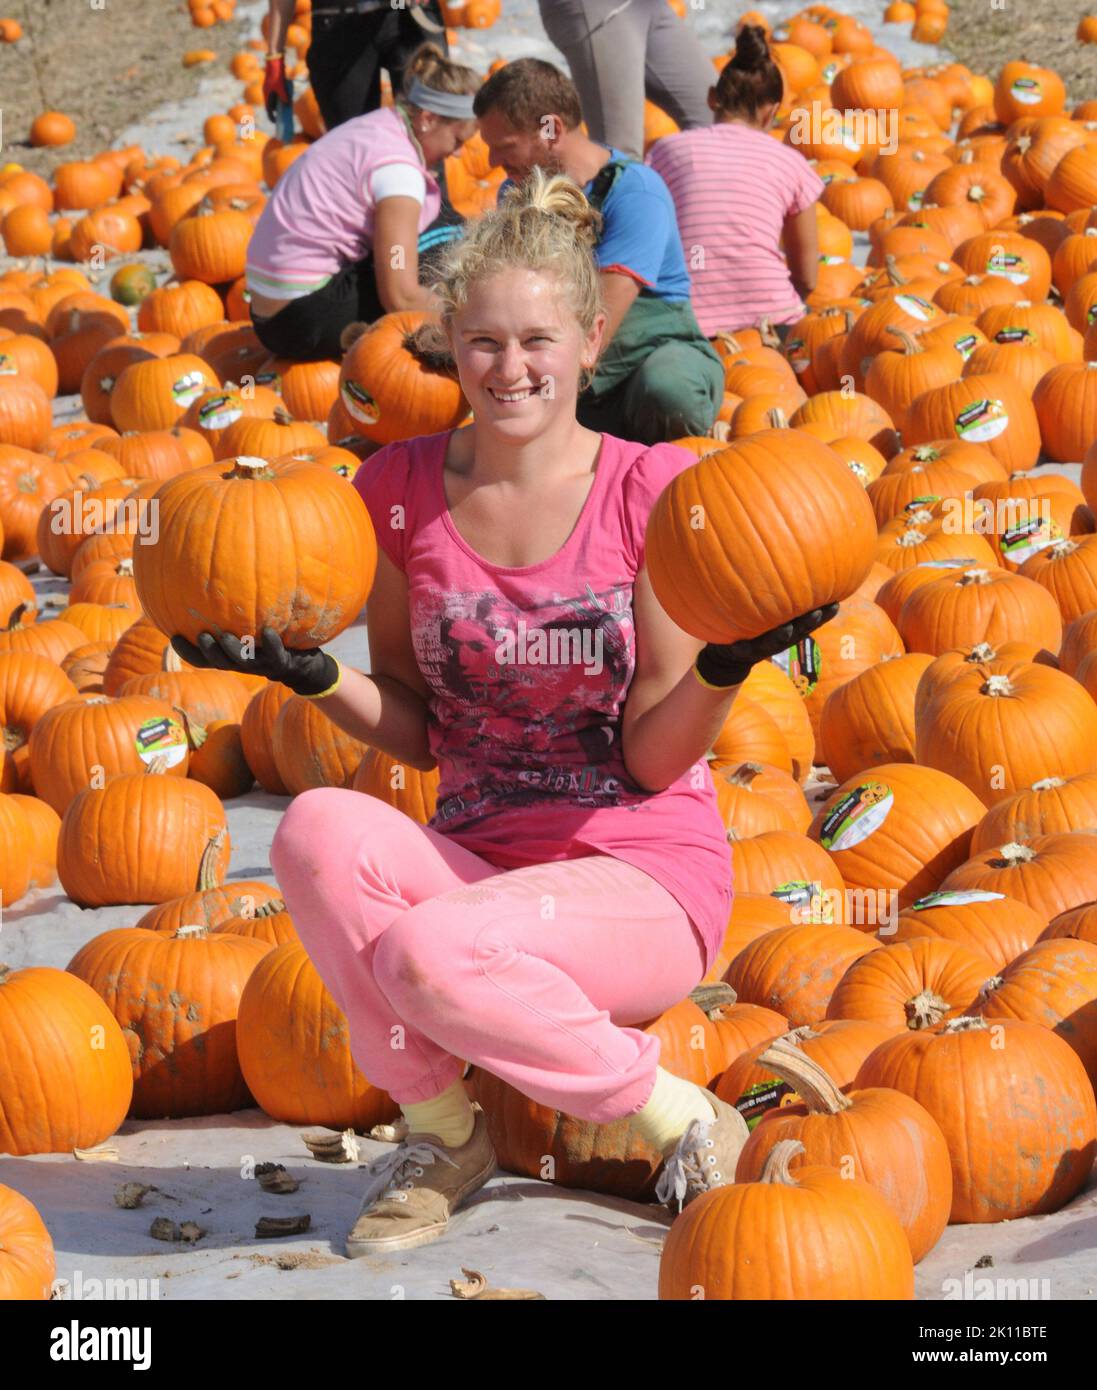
568 1245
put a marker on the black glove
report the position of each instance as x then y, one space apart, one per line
730 664
307 672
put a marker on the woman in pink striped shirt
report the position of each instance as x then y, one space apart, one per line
737 192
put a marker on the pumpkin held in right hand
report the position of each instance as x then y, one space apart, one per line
752 536
244 545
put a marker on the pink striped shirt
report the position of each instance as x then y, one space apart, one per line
733 186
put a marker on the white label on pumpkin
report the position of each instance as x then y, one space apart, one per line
219 412
1015 269
161 738
360 403
914 202
856 815
958 898
187 388
1022 542
916 307
982 420
1027 91
8 365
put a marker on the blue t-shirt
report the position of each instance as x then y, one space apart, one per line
640 234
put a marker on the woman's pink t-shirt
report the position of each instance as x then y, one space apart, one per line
733 186
528 670
320 216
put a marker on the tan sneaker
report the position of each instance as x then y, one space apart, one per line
706 1156
413 1191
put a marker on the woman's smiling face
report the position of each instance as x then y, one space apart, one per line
519 350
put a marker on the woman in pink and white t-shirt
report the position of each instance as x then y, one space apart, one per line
338 242
575 879
738 193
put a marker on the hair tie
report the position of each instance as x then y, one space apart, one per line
457 106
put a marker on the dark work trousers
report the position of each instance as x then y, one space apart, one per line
348 51
308 329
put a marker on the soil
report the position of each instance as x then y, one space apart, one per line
1042 32
105 63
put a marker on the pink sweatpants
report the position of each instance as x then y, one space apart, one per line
435 955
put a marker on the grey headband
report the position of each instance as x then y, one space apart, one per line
456 105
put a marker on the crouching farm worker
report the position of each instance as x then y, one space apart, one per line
658 378
738 193
574 881
338 243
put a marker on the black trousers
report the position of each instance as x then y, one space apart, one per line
308 329
347 53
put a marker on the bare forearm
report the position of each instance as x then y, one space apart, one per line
281 12
384 713
670 737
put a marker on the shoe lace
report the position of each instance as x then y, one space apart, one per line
387 1174
686 1168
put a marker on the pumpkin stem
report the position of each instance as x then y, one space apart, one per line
710 999
15 618
925 1009
277 905
818 1091
776 1166
253 469
777 418
911 537
282 415
721 430
11 738
6 971
988 988
911 345
973 577
124 570
729 342
744 774
430 348
207 868
1057 549
997 686
1046 783
964 1024
894 275
982 651
171 661
1014 854
190 931
769 335
196 734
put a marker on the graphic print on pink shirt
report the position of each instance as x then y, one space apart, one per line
520 683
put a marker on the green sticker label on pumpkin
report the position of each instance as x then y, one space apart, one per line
981 421
914 202
8 365
360 403
801 664
1014 335
856 815
811 904
1027 91
161 738
832 260
966 345
957 898
1015 269
186 389
1028 538
219 412
1091 314
269 378
917 503
762 1097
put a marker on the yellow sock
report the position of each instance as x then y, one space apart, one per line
449 1115
669 1110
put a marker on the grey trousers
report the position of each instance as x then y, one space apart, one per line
620 51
